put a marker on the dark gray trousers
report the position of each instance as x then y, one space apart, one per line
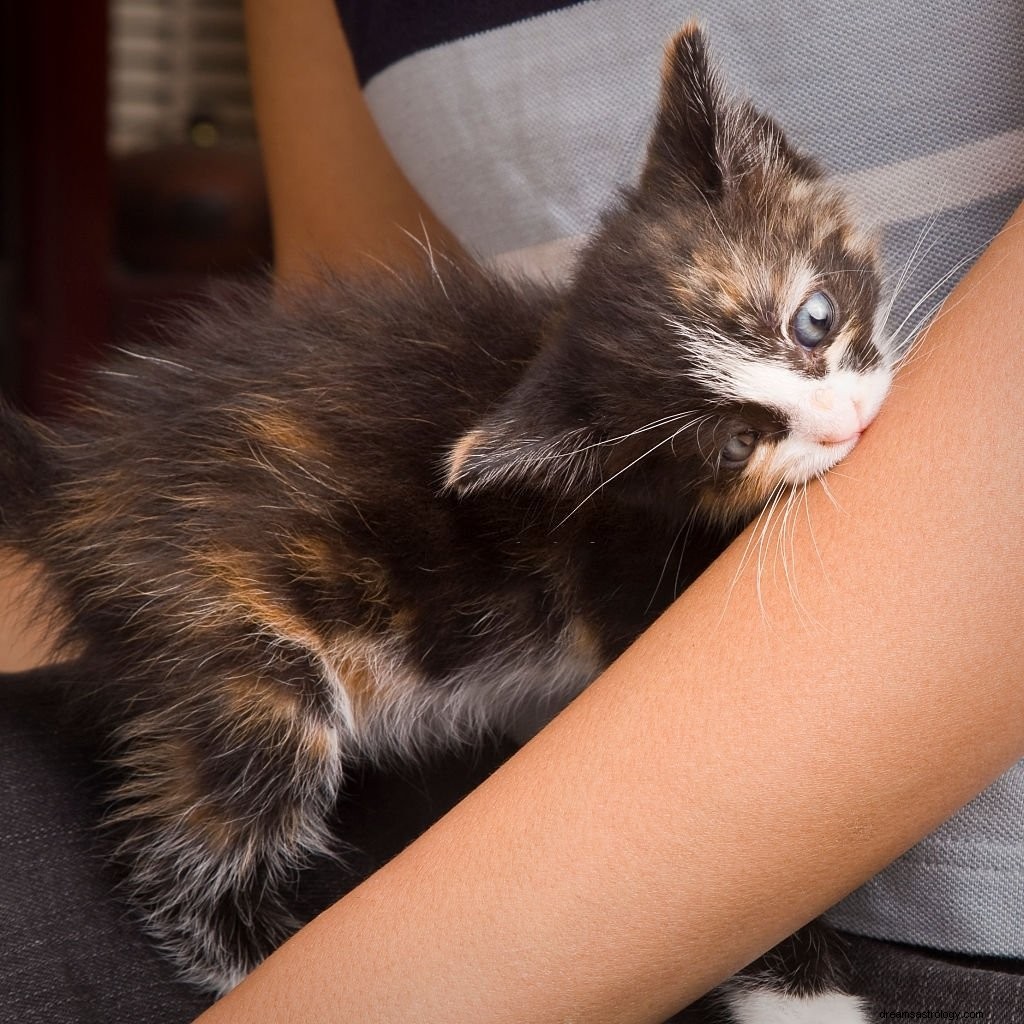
69 954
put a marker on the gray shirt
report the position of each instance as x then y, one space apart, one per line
518 136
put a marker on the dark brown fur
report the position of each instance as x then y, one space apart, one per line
381 518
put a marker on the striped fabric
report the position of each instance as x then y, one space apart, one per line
517 121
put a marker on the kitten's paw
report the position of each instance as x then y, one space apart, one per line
766 1007
214 945
214 917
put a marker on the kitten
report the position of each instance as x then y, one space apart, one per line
377 521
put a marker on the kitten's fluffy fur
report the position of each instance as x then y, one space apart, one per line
375 521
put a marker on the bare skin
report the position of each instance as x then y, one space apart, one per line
337 196
733 774
24 633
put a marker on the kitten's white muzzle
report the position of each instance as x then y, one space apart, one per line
838 414
826 422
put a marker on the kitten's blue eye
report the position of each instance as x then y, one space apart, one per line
814 320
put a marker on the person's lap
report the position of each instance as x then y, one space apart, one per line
70 953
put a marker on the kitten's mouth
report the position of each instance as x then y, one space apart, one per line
833 443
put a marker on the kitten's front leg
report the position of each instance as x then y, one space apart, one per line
226 795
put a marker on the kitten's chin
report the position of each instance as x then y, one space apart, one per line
798 460
832 453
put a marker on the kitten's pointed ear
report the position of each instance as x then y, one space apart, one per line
524 442
686 139
488 455
703 140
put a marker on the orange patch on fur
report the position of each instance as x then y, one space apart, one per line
262 703
355 672
166 786
245 595
265 707
276 429
712 279
316 558
312 554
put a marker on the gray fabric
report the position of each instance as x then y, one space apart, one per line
517 137
932 250
960 889
907 984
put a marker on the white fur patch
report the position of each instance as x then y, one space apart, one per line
765 1007
818 411
805 452
796 459
411 716
800 284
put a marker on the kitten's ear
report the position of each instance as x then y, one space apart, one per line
525 441
686 139
488 454
704 140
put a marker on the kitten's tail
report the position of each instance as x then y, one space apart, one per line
27 472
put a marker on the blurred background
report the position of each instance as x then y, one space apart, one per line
130 176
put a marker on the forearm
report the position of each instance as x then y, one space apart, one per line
762 750
337 196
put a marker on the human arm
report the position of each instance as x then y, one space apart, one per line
762 750
337 196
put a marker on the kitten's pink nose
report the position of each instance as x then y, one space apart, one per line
843 419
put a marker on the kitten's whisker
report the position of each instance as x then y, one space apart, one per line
791 521
786 545
909 267
428 250
828 494
700 447
905 347
759 574
814 540
944 279
747 550
149 358
941 308
653 425
664 567
913 351
682 551
614 476
380 263
917 332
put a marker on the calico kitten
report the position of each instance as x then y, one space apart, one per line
377 521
